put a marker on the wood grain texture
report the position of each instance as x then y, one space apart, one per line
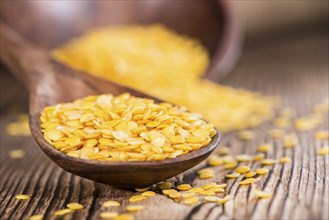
295 67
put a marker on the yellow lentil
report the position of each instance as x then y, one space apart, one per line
123 217
250 174
111 203
164 185
16 154
206 175
322 135
308 122
214 161
224 200
243 158
74 206
170 64
148 193
191 200
209 185
290 141
242 169
216 190
147 144
175 195
211 198
264 148
135 208
269 162
285 160
281 122
108 215
184 187
169 191
246 135
233 175
206 170
258 157
222 150
196 190
20 127
324 151
63 212
276 133
262 195
230 165
187 195
36 217
222 185
208 193
142 189
137 198
247 181
22 197
262 171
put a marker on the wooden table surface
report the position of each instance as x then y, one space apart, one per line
294 67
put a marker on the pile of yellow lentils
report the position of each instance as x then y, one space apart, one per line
144 57
124 128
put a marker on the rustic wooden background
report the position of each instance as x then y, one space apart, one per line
293 65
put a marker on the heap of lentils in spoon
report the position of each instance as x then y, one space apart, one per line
124 128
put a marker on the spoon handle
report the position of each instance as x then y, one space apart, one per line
18 55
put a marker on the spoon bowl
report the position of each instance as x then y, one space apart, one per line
51 82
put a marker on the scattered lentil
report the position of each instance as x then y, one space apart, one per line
111 203
142 189
276 133
250 174
285 160
224 200
269 162
63 212
262 171
258 157
22 197
20 127
16 154
230 165
74 206
148 193
196 190
36 217
247 181
246 135
324 151
165 185
184 187
233 175
264 148
137 198
262 195
223 150
108 215
322 135
290 141
243 158
191 200
211 198
123 217
135 208
206 176
242 169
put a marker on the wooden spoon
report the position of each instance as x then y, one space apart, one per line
50 83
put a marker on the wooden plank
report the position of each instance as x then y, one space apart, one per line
296 70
